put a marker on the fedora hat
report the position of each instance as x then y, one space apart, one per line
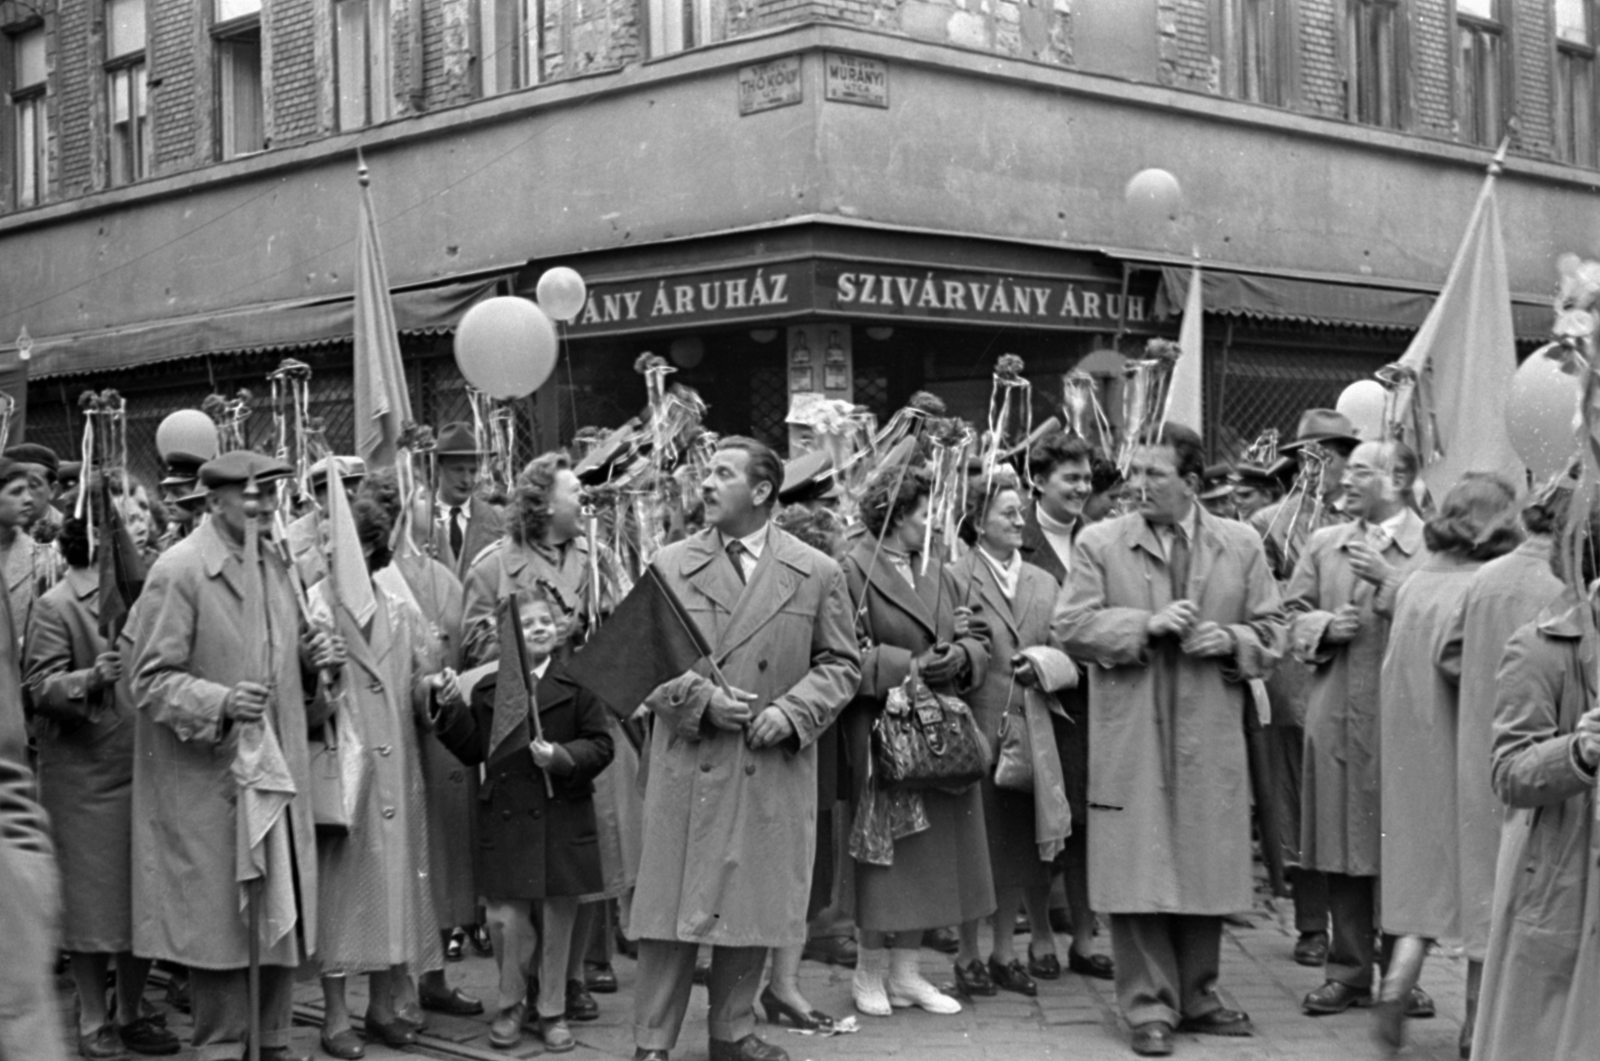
1276 474
1323 426
457 440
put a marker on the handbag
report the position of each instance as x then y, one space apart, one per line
1013 765
924 739
338 773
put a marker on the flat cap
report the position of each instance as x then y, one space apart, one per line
351 469
33 453
69 472
239 467
809 477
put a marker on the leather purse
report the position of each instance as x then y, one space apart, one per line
924 739
338 773
1013 766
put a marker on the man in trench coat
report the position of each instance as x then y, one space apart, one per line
731 804
1342 598
1176 611
199 688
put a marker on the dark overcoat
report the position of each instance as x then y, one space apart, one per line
532 845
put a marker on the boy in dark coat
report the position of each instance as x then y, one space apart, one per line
537 850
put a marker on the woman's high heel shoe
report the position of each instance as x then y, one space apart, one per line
775 1007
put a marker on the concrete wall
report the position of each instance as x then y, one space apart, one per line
971 143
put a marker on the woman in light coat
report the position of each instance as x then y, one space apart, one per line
1017 600
906 618
1419 888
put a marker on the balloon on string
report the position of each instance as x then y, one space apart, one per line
1154 195
1362 403
562 293
188 431
506 347
1541 409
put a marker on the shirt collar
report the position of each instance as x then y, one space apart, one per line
1050 525
540 668
755 543
445 507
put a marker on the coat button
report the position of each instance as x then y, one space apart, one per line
761 664
749 769
384 749
376 687
388 812
705 768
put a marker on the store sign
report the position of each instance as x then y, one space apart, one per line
855 79
843 288
766 86
947 294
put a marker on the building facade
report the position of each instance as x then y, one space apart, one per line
866 197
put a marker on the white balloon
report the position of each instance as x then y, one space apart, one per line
1155 195
1363 402
506 347
562 293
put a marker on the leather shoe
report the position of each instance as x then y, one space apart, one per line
943 940
973 980
454 1002
1311 949
455 947
345 1044
1219 1022
1097 966
831 950
1334 997
148 1036
395 1033
505 1031
1013 977
601 979
581 1005
1152 1039
1389 1024
556 1035
101 1043
641 1054
281 1053
1044 966
1419 1006
750 1048
481 941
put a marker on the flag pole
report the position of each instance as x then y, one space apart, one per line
514 616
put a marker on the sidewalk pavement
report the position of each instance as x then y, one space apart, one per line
1073 1017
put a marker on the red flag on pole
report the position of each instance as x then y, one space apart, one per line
382 403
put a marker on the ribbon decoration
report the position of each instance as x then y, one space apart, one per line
8 407
1009 383
230 415
1301 504
1144 397
1263 452
1080 404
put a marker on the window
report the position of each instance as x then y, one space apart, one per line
126 90
1480 71
362 44
1253 41
508 44
236 26
1575 88
1372 47
679 24
29 117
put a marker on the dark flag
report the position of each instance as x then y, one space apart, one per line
512 695
121 569
648 640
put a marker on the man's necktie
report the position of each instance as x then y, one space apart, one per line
1378 539
736 551
1178 564
457 532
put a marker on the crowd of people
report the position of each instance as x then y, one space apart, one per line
276 763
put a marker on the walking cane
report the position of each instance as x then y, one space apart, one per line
253 902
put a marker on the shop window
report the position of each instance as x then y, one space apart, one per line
677 25
1480 71
1575 85
509 33
1254 42
1374 62
30 129
127 91
362 50
236 31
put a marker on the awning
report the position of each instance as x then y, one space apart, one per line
259 328
1324 301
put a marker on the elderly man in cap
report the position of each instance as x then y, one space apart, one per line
301 536
220 664
464 523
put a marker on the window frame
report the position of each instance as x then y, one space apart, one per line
226 36
378 104
1350 60
28 106
695 31
1497 30
1277 33
527 44
1567 147
129 157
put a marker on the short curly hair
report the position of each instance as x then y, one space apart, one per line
1475 521
373 527
982 489
529 514
890 496
1054 450
816 527
382 488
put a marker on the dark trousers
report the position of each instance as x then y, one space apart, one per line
1310 900
1352 901
666 973
1166 965
221 1000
